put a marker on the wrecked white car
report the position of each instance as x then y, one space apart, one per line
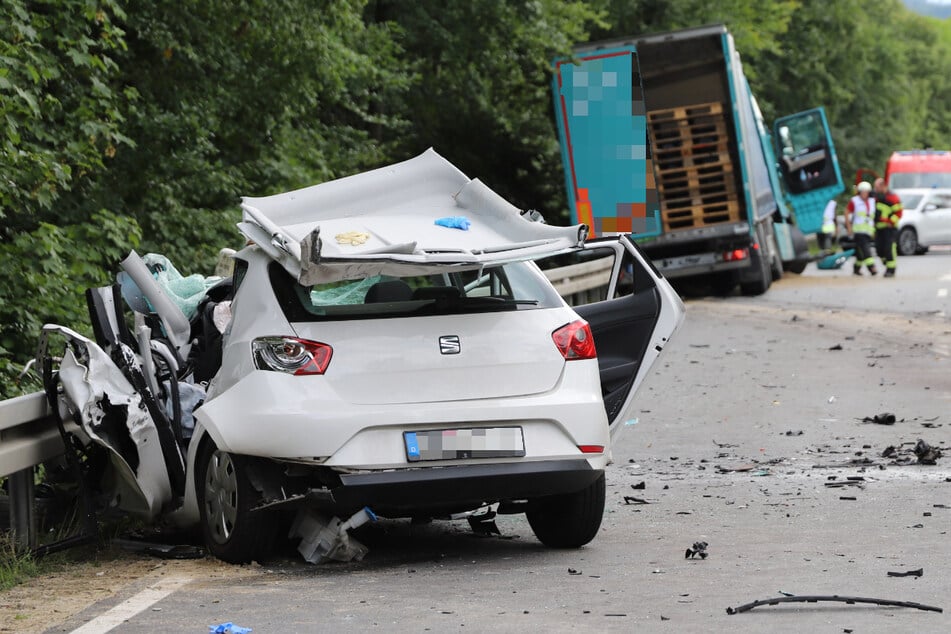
386 346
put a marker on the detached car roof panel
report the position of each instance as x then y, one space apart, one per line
388 215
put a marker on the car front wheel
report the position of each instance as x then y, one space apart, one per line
908 242
225 497
571 520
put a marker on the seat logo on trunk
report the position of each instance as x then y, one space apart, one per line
449 344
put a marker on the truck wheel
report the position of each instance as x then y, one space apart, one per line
758 260
225 498
908 242
568 521
775 261
801 248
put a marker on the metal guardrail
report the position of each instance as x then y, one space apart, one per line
582 283
28 437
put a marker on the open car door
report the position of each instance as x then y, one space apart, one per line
631 324
808 165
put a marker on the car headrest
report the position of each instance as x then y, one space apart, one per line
389 291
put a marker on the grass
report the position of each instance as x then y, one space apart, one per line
15 566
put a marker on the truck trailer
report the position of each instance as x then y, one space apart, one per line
662 138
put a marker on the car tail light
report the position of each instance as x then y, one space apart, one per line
591 448
291 355
736 254
575 341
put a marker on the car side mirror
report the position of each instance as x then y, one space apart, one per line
930 207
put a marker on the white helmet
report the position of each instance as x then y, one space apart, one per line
864 186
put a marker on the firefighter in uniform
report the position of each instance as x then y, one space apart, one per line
859 223
887 215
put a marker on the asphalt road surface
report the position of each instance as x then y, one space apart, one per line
751 412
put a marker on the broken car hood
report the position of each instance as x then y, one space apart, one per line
384 221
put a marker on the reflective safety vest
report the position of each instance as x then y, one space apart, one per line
887 211
828 218
863 215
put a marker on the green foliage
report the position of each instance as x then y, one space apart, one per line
60 109
44 276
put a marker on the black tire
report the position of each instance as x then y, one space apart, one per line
571 520
237 538
908 242
723 284
800 247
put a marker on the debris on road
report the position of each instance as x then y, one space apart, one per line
699 549
228 628
834 598
797 432
837 346
927 454
639 486
162 551
885 418
907 573
848 497
572 571
484 524
630 499
323 539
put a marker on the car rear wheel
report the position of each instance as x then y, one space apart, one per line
225 498
571 520
908 242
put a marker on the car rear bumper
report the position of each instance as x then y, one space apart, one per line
414 491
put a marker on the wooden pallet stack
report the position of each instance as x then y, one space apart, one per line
695 178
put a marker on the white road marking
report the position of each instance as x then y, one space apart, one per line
132 606
942 292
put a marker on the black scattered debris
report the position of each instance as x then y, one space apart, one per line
817 598
630 499
790 432
917 526
617 614
907 573
700 345
847 497
927 454
838 484
795 318
724 445
931 425
572 571
837 346
484 524
885 418
666 486
926 514
640 486
889 452
664 618
699 549
939 506
162 551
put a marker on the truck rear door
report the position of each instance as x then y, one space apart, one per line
602 124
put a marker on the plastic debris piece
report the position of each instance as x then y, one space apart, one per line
454 222
885 418
352 238
907 573
228 628
630 499
484 524
699 549
640 486
926 453
572 571
832 597
837 346
323 539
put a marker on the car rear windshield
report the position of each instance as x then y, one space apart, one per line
513 286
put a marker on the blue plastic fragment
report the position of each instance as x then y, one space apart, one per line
228 628
454 222
633 421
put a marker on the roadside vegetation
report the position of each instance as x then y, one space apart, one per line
138 124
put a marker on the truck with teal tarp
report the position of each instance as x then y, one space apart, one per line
662 138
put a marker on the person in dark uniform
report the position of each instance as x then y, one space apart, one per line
887 216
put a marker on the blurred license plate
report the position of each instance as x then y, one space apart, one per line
457 444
